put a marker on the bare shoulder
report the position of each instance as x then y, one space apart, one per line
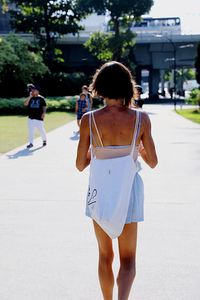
85 120
143 115
145 120
98 111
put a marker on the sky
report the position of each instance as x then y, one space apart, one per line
187 10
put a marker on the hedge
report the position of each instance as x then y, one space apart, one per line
15 106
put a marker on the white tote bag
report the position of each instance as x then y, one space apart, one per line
110 185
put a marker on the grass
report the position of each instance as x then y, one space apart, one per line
14 131
191 114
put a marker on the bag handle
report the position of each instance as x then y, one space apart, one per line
90 126
136 131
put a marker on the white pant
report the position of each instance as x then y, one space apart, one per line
32 124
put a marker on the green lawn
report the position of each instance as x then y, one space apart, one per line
14 132
191 114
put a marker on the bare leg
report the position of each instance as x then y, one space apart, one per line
106 255
127 252
78 122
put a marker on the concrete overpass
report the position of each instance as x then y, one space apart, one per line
160 53
154 53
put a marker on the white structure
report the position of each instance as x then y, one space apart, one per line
93 23
165 26
146 26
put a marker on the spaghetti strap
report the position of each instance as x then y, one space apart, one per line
136 131
97 129
92 138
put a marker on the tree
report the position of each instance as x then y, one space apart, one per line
98 46
197 64
47 20
18 62
122 14
4 5
103 45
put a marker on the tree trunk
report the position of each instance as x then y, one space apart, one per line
48 41
117 51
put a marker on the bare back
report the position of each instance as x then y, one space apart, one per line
115 125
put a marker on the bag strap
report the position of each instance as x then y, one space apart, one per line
90 125
136 131
97 131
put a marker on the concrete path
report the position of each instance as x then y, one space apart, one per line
47 247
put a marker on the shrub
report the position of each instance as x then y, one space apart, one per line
12 106
15 106
194 97
62 103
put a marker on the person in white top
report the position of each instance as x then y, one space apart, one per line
112 131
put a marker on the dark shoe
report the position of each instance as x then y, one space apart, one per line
29 146
44 143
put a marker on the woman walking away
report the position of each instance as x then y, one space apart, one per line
109 143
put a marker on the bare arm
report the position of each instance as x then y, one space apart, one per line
83 153
86 107
76 107
44 108
26 102
147 149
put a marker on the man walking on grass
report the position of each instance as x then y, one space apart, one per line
36 112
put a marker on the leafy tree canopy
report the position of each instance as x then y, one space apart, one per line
4 5
103 45
98 45
19 61
116 45
47 20
55 17
117 8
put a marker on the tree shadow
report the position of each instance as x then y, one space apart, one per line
23 153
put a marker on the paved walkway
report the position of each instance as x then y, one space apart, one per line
47 247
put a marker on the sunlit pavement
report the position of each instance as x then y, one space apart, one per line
48 250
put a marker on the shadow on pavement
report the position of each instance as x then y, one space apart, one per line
151 113
75 137
24 152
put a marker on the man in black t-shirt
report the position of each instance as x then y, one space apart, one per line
36 112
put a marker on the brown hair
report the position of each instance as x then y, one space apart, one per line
114 81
